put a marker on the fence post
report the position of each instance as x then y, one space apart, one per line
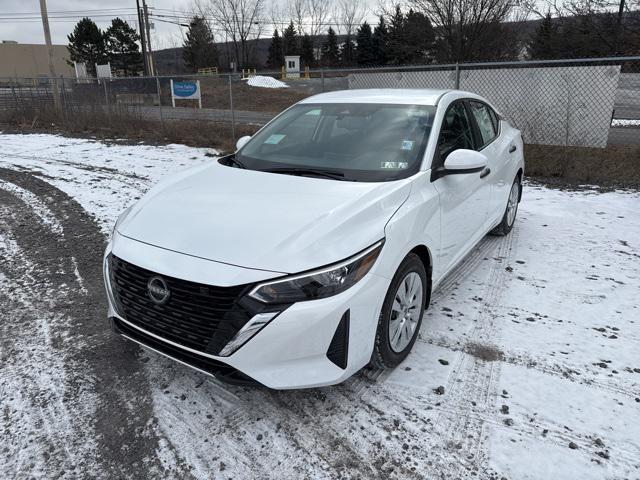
106 97
457 78
63 103
159 92
233 115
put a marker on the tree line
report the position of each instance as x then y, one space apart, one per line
118 45
334 33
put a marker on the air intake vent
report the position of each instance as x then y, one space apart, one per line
338 351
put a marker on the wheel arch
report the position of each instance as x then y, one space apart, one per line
520 174
423 252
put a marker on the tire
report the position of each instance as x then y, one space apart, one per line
387 351
511 210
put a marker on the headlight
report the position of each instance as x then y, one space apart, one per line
320 283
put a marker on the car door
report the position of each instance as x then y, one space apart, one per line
496 146
464 198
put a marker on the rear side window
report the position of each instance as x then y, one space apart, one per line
486 120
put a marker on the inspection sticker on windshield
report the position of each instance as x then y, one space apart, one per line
407 145
274 139
394 165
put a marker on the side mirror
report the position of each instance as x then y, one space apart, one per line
242 141
463 161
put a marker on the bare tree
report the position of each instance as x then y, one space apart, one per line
470 29
348 14
594 27
319 15
298 12
239 20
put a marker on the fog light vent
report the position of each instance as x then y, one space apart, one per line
339 347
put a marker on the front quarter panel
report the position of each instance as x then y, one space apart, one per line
416 223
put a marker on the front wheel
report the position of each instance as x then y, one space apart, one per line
401 314
509 217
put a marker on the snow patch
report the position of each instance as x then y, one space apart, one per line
617 122
265 82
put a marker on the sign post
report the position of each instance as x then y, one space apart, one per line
186 91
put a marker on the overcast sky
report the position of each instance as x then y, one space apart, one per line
29 30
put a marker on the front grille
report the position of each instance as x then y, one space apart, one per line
202 317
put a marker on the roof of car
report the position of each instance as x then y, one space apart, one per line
413 96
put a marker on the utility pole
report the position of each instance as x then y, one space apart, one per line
152 67
52 68
143 42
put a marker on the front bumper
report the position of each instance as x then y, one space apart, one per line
290 351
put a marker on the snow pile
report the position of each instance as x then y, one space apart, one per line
616 122
265 82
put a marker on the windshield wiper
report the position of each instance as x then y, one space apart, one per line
236 162
303 171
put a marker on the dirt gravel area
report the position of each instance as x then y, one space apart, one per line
526 367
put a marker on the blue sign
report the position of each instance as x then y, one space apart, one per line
185 89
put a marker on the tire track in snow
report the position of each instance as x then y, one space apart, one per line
473 381
564 371
97 365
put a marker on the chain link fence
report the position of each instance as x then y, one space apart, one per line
569 103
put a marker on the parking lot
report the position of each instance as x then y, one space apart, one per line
526 367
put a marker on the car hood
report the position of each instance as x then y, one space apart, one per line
260 220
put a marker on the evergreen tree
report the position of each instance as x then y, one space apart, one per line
290 40
348 52
365 54
379 42
199 49
329 51
396 38
419 39
544 44
276 57
122 47
306 51
86 44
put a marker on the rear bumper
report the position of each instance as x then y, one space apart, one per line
290 351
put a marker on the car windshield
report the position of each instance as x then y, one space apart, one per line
357 142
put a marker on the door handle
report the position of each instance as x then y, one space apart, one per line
485 172
512 149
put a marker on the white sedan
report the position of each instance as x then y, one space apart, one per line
313 250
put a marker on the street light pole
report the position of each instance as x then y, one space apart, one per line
52 68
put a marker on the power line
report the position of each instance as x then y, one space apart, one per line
72 11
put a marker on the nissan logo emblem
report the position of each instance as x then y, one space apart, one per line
158 290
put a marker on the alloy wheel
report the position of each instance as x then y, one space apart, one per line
405 312
512 205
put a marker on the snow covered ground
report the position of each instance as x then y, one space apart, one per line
265 82
535 339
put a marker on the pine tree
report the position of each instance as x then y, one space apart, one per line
122 47
199 49
290 40
86 44
419 39
396 38
306 51
276 57
329 51
543 45
348 52
365 54
379 42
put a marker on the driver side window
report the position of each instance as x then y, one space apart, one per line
456 132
